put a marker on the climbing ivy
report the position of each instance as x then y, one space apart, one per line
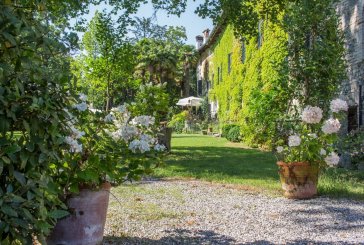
227 86
297 55
254 93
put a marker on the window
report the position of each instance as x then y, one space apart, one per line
199 87
260 33
229 62
220 73
352 118
243 52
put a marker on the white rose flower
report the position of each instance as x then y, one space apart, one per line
159 147
338 105
75 147
314 136
147 138
82 97
331 126
109 118
323 152
144 146
81 107
143 121
312 114
120 108
134 145
77 134
332 159
294 140
279 149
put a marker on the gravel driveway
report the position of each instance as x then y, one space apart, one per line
194 212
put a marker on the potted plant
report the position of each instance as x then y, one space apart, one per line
309 147
102 149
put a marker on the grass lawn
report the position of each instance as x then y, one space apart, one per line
217 160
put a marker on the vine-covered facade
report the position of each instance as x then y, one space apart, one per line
248 80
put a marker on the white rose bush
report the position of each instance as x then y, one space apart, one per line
106 146
312 138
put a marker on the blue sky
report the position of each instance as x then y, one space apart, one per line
194 25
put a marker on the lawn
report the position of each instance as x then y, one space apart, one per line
217 160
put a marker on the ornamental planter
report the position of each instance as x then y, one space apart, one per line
298 179
85 225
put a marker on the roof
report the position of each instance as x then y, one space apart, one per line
215 34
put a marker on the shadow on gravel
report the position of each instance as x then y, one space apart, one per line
186 237
178 236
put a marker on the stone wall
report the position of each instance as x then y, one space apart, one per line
352 24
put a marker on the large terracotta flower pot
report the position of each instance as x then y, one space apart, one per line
298 179
85 225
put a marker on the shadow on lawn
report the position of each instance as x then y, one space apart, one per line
183 236
226 161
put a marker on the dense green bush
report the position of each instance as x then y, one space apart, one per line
226 128
34 75
234 134
178 122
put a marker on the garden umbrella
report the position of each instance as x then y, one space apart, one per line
190 101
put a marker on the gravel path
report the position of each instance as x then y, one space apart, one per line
193 212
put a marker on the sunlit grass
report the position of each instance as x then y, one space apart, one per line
217 160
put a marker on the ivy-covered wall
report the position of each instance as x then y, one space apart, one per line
251 94
227 87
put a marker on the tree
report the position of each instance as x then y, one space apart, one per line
106 67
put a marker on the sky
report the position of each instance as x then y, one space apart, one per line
194 25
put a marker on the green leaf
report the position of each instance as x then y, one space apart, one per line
26 126
8 210
58 214
12 149
6 159
9 37
1 167
19 177
23 158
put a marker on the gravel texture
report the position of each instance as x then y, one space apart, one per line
194 212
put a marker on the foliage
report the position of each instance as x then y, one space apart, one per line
258 97
226 128
354 144
106 147
178 121
227 89
316 51
234 134
152 100
34 73
104 70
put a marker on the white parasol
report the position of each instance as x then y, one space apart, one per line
190 101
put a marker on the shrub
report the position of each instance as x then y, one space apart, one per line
178 122
234 134
354 144
226 128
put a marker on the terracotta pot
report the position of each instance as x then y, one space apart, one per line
298 179
85 225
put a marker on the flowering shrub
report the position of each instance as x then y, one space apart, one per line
312 139
106 147
152 100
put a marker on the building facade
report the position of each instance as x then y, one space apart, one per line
222 56
351 14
